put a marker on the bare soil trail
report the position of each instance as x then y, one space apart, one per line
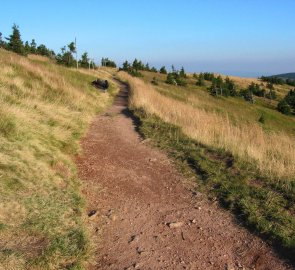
147 216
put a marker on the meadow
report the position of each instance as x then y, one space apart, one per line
44 110
248 165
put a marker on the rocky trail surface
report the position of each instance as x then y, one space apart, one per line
143 213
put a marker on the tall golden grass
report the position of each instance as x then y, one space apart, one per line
274 153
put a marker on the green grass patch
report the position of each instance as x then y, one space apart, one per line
7 125
266 208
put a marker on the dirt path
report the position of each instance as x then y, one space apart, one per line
147 217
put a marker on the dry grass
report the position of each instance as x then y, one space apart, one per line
274 153
44 109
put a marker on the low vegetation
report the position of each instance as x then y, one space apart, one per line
247 163
287 104
44 110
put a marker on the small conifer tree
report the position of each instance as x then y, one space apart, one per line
15 43
163 70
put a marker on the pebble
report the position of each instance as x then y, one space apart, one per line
92 214
139 250
133 238
175 224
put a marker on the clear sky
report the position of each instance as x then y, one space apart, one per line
239 37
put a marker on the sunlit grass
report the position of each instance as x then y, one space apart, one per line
246 165
272 152
44 110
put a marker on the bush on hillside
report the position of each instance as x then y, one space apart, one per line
255 89
287 105
171 79
247 95
155 81
262 119
284 107
174 78
290 99
135 73
271 95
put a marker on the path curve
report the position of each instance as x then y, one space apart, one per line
147 217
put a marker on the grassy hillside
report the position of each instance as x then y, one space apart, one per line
248 165
44 110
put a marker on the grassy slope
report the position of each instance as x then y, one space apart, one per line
262 203
44 110
236 108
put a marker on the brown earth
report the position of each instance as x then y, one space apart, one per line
144 213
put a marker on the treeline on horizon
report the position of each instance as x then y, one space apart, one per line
65 57
277 80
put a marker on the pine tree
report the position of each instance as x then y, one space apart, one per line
126 66
27 47
154 81
72 47
153 69
173 69
2 42
33 46
200 81
163 70
182 73
135 64
84 62
147 67
15 43
230 87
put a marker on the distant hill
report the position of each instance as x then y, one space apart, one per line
285 76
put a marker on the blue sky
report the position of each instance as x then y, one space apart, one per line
239 37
